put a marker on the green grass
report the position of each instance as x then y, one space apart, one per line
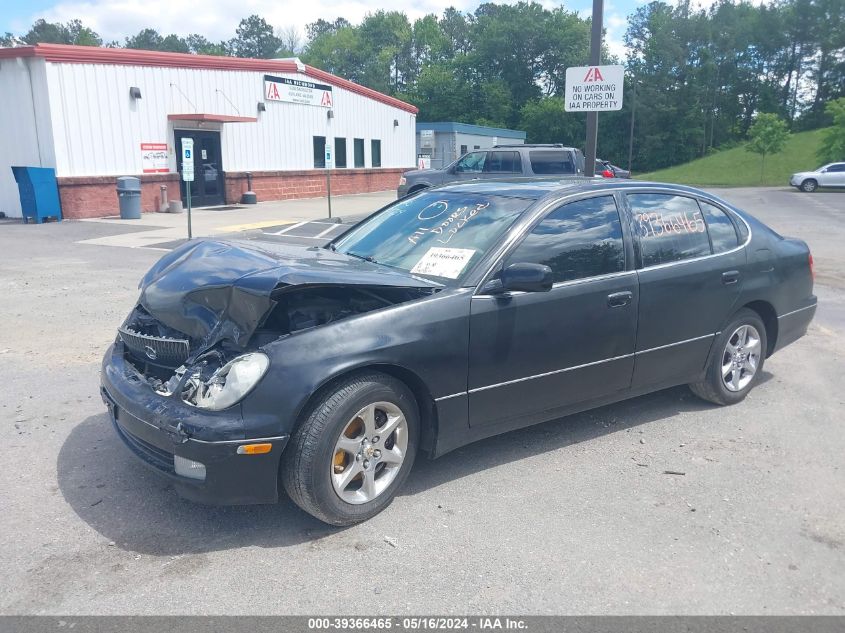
741 168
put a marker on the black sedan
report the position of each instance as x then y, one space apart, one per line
451 315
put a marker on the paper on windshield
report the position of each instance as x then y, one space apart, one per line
443 262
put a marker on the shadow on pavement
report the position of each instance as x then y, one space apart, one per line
139 511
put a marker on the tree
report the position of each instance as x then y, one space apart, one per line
767 135
74 32
151 40
199 45
833 142
254 37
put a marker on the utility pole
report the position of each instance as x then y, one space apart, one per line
595 60
631 133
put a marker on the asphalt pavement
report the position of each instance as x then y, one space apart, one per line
575 516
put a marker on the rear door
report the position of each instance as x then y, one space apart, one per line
690 279
533 354
502 164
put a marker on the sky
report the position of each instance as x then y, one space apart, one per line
217 19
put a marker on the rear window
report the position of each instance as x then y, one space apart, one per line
545 162
720 227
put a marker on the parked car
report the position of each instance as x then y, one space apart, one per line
448 316
618 172
502 161
830 175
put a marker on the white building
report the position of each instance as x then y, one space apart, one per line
443 142
94 114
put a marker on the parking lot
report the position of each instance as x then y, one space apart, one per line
577 515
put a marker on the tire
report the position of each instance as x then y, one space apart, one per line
809 185
729 378
316 461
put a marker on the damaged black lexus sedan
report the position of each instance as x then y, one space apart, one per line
451 315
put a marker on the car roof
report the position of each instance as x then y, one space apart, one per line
536 188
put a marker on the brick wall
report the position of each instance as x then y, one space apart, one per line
94 197
311 183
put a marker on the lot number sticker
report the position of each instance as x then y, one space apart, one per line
443 262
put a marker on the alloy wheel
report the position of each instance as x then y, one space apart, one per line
741 358
369 452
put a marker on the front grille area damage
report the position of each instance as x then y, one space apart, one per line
171 362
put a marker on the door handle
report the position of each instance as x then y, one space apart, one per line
619 299
730 277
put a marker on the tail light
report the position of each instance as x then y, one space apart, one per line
607 173
812 266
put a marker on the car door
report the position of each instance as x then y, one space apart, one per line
533 354
470 166
833 176
691 275
502 164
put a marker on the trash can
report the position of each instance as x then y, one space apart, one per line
39 193
129 197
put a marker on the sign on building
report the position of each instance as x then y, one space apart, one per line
154 158
593 88
297 91
426 138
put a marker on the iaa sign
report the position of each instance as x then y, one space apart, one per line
593 88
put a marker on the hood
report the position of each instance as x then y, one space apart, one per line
424 173
215 290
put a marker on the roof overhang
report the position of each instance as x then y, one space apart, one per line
68 54
212 118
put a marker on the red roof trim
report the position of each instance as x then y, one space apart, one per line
212 118
63 53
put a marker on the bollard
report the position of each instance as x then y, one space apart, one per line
163 206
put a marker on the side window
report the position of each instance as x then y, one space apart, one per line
671 228
319 151
339 152
503 163
839 167
551 162
463 149
471 163
720 227
577 240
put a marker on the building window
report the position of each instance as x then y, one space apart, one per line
319 152
359 152
340 152
375 152
463 149
476 147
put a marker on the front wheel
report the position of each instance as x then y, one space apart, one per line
809 185
736 362
347 460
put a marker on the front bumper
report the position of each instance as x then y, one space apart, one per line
157 428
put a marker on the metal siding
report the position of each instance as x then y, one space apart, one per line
108 127
24 125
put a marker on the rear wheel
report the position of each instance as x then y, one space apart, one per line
737 361
809 185
355 448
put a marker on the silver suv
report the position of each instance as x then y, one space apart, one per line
501 161
830 175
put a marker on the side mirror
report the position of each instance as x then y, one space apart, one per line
521 277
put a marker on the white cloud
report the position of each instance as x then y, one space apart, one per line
216 19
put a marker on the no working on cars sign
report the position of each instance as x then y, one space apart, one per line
593 88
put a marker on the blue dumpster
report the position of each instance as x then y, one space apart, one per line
39 193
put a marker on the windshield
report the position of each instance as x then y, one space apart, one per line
436 234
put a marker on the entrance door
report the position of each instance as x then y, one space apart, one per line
207 187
